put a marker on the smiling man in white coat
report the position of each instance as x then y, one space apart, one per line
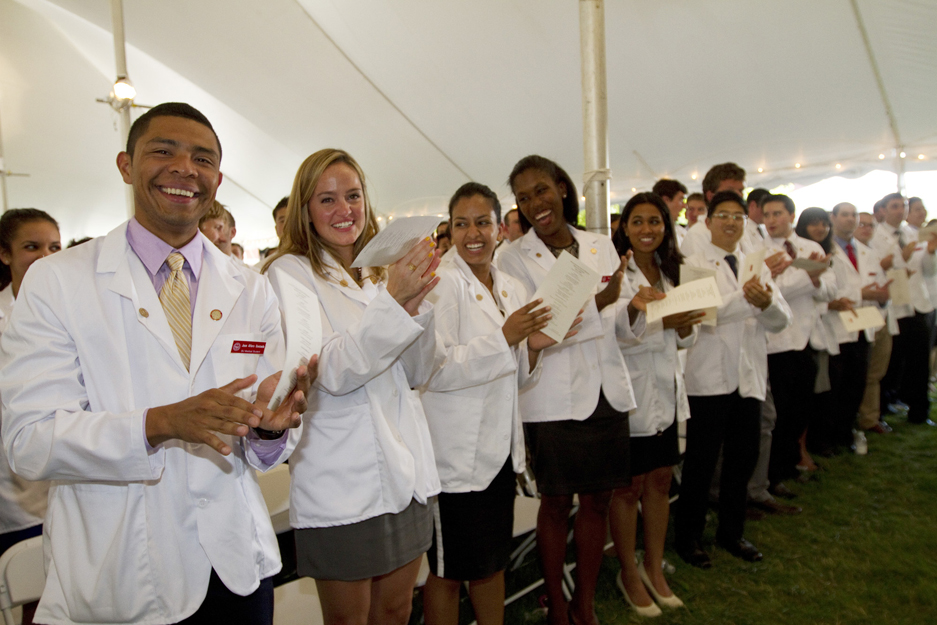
128 364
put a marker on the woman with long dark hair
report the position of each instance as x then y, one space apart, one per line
26 235
646 231
576 414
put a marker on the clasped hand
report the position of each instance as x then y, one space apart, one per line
757 295
414 275
219 410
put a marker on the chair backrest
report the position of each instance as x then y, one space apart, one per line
22 574
275 487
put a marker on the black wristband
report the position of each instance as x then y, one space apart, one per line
268 435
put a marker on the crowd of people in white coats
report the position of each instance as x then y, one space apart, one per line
137 369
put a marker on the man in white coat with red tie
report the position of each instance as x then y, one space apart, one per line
130 379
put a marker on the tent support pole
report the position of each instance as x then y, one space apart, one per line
3 176
594 114
120 61
889 111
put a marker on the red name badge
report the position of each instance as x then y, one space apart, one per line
248 347
606 279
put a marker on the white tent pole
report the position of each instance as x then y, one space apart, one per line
594 114
889 111
120 61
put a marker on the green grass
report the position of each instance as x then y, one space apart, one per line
863 551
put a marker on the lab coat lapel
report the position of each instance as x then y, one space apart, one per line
537 250
588 252
130 280
219 287
478 291
346 285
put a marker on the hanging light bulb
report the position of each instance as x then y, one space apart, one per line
124 89
881 157
920 157
838 166
796 165
694 176
761 170
902 155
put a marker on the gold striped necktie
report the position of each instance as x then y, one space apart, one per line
174 296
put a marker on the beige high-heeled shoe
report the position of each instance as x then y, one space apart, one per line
673 601
645 610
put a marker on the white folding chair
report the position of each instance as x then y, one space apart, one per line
297 603
275 487
22 576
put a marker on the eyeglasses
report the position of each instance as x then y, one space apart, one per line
730 216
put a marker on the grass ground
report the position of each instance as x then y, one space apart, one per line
863 551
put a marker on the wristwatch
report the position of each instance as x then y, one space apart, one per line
268 435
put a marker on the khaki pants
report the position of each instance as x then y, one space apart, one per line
879 355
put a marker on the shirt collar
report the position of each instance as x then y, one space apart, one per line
153 251
843 242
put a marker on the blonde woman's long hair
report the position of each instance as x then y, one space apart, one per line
299 235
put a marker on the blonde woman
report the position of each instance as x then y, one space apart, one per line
363 475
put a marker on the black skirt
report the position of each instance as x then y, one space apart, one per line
473 531
656 451
589 456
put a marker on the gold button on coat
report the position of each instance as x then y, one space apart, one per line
144 313
479 297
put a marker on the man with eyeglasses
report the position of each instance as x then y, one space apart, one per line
791 367
726 381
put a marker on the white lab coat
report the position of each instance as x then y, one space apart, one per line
806 301
22 503
732 355
471 401
698 237
849 283
885 241
132 535
575 370
365 448
655 369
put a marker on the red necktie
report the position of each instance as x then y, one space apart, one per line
851 253
790 250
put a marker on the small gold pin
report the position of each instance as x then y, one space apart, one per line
594 251
143 313
479 297
215 315
504 293
538 254
344 282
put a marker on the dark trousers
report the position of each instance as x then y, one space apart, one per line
793 375
732 423
909 368
848 371
223 606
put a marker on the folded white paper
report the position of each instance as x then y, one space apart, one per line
925 233
865 317
899 290
696 295
303 329
809 265
751 267
394 241
689 273
567 287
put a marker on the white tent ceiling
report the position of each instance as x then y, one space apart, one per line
429 94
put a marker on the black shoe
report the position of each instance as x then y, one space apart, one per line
694 556
780 490
741 548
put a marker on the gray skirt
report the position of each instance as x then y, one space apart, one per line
365 549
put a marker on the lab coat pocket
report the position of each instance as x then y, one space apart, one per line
236 356
454 420
100 554
335 467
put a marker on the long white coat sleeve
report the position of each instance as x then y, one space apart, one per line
48 432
